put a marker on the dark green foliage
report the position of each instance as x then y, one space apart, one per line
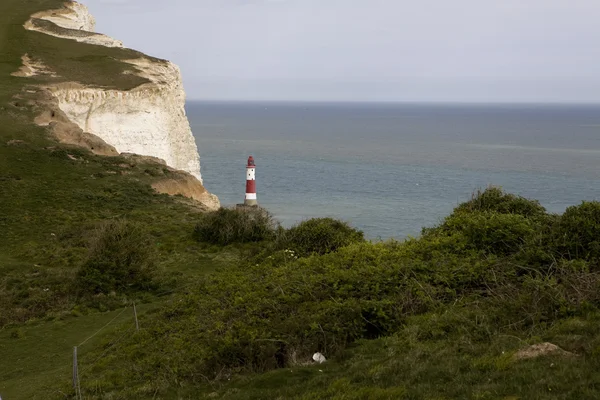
262 317
486 273
577 234
319 236
276 313
235 225
498 223
490 232
121 259
493 199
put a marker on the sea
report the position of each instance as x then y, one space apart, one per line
392 169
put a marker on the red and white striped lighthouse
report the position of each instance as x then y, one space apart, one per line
250 183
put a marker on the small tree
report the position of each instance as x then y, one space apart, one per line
121 259
237 225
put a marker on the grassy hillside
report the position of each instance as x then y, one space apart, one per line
444 316
51 195
52 200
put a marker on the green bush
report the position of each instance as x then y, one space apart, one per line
491 232
254 318
494 199
577 234
121 259
468 282
319 236
235 225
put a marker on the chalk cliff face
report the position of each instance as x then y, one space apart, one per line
149 120
73 16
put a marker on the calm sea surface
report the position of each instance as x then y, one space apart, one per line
392 169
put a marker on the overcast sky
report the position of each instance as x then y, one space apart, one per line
369 50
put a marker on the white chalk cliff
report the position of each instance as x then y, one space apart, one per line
74 16
148 120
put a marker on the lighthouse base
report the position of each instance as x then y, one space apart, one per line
249 203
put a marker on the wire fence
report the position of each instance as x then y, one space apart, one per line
79 368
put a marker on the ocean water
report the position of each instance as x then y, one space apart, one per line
392 169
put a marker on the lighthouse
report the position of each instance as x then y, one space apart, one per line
250 183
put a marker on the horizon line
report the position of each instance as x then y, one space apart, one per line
401 102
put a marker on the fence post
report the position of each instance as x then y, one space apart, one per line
137 325
75 377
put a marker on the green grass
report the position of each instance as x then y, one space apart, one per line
439 317
402 367
37 356
49 204
435 318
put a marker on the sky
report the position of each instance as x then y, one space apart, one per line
369 50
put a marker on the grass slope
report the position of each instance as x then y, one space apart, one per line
435 318
51 198
439 317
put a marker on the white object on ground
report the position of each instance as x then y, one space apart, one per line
320 358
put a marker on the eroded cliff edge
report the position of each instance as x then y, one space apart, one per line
148 119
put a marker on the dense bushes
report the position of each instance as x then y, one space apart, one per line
121 259
493 199
235 225
494 222
578 232
256 318
490 232
491 268
319 236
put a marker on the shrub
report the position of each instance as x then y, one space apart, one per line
577 234
254 318
491 232
235 225
121 259
319 236
494 199
464 280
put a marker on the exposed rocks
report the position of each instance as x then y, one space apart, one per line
15 142
32 67
183 184
148 120
539 350
74 18
66 131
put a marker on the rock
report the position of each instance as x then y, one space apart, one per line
77 22
31 68
180 183
138 159
319 358
539 350
15 142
